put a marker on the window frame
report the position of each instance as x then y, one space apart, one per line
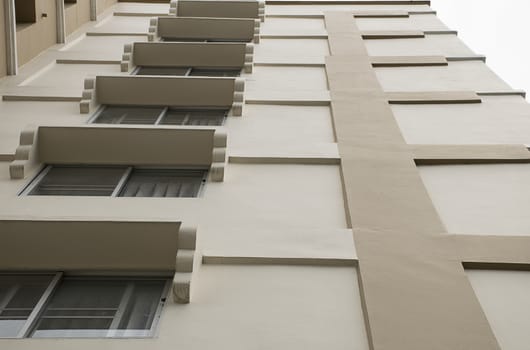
161 116
54 284
120 185
190 70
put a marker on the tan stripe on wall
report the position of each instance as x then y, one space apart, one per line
416 295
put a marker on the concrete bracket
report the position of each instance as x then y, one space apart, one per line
153 30
257 24
248 66
261 10
173 8
239 98
184 264
217 168
127 57
88 99
25 154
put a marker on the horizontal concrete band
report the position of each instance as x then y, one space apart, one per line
264 260
360 14
117 33
377 61
284 160
469 154
371 34
494 252
347 2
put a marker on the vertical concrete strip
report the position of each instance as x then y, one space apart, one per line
61 27
93 10
11 37
416 295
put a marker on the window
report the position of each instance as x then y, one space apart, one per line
184 71
41 306
191 40
160 116
25 12
110 181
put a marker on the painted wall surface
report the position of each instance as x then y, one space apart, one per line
446 45
278 49
504 297
93 47
319 9
283 130
251 307
288 210
76 15
481 199
413 22
457 76
497 120
32 39
3 48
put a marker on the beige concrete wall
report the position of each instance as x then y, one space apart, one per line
504 297
103 5
250 307
76 15
286 78
445 45
457 76
497 120
276 50
282 130
33 38
3 48
303 9
481 199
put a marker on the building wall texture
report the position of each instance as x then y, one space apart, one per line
373 191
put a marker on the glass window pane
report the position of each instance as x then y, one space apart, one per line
163 183
194 117
215 72
129 115
162 71
18 296
95 307
79 181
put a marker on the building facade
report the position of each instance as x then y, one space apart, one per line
287 174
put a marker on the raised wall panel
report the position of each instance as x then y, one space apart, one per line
286 78
481 199
504 298
274 129
275 50
497 120
445 45
413 22
457 76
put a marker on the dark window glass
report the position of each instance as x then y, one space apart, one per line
215 72
79 181
162 71
164 183
95 307
18 296
194 117
129 115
